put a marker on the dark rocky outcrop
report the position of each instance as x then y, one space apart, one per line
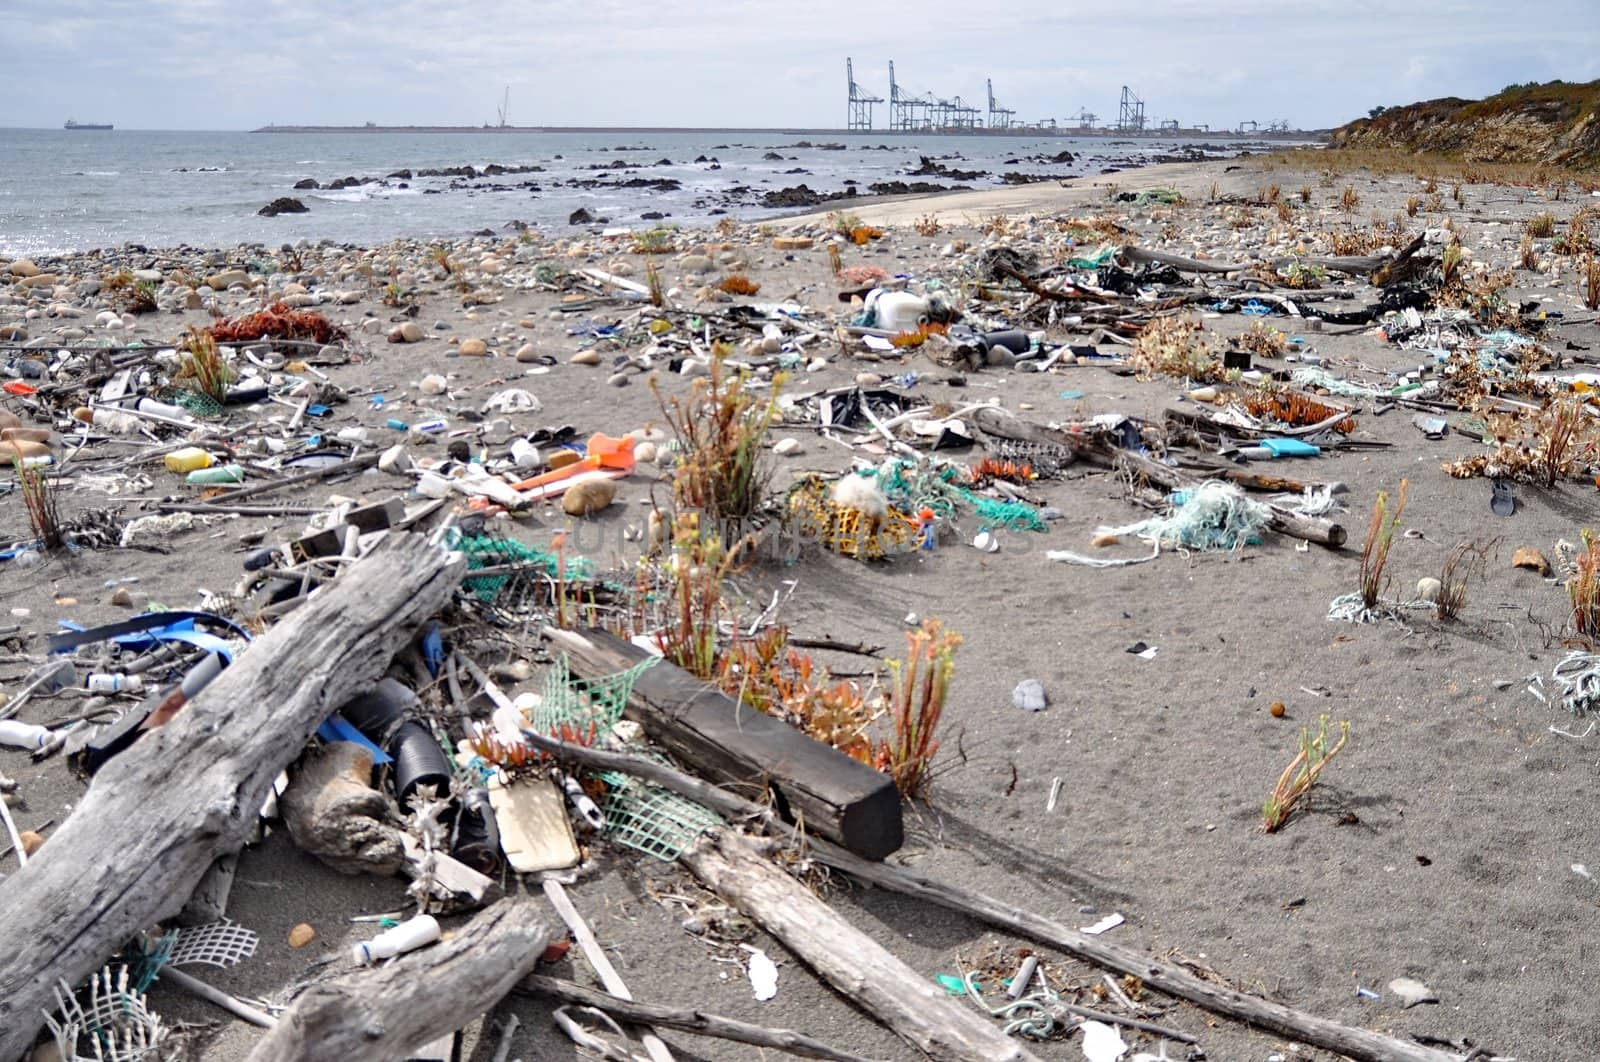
283 205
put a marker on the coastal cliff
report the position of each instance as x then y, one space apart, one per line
1556 123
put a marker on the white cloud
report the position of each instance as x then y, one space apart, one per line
222 64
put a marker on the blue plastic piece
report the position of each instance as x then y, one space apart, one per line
1290 448
433 650
337 728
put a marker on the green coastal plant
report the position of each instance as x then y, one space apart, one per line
918 687
1583 588
1375 550
1467 561
658 240
43 506
202 365
1297 779
720 428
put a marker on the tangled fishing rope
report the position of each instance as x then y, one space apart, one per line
1033 1016
1213 516
1578 675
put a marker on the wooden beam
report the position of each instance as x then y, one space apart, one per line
160 813
910 1004
835 796
388 1012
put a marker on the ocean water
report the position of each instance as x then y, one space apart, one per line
66 191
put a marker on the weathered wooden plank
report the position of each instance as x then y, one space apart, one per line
835 796
157 816
909 1003
388 1012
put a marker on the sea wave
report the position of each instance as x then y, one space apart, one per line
361 195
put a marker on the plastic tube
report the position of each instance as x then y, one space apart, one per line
407 936
23 735
418 761
108 682
379 711
216 474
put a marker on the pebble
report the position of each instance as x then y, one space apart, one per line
589 497
527 353
24 267
868 379
586 357
1429 588
618 379
301 935
122 597
646 452
1000 358
1532 558
1029 696
433 384
407 332
786 447
1104 540
696 263
473 348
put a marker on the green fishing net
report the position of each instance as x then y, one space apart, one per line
489 551
197 402
638 815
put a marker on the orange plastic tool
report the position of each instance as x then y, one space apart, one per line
604 452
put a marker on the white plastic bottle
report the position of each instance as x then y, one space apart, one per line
407 936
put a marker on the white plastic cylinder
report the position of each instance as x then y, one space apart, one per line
110 682
525 454
407 936
23 735
901 311
162 409
430 485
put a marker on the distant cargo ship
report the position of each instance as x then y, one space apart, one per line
84 125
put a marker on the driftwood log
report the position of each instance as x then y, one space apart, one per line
1358 265
387 1012
1099 447
864 971
157 816
837 797
692 1021
1355 1043
1316 529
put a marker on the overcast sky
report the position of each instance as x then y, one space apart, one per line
238 64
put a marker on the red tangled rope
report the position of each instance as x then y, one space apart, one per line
277 321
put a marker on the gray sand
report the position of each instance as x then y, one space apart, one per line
1440 845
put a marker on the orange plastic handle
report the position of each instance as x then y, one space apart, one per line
604 452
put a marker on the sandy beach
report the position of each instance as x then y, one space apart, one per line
1447 843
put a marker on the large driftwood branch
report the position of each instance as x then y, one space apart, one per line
388 1012
157 816
1359 265
864 971
1356 1043
693 1021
